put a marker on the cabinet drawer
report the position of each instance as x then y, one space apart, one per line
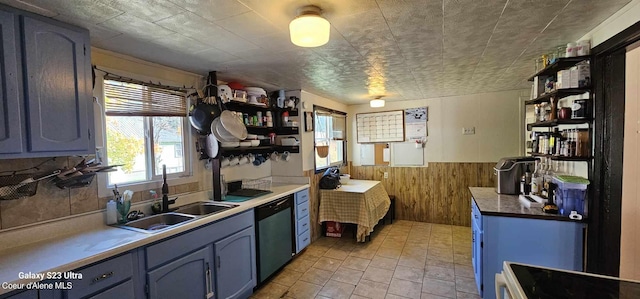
302 225
302 196
101 276
303 240
302 210
123 290
476 217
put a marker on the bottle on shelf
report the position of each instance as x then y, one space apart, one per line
527 180
536 178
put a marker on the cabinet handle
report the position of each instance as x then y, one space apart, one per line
304 225
103 276
475 216
305 239
208 277
304 210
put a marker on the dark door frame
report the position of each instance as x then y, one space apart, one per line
603 232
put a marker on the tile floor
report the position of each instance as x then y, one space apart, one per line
403 260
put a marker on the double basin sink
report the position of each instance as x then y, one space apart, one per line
181 215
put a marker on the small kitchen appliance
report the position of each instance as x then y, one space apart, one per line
508 172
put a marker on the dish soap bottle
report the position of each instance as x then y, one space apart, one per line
112 212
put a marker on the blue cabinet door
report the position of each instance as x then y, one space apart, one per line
477 256
236 264
185 277
10 112
57 74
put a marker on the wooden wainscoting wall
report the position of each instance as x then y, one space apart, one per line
437 194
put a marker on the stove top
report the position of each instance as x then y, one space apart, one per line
547 283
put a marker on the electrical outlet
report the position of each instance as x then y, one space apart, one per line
469 131
386 175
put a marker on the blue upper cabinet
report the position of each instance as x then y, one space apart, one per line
46 103
57 95
10 112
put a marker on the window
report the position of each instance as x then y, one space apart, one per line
145 128
330 137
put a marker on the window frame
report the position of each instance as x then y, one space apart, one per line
344 139
155 182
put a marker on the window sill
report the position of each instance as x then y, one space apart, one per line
105 191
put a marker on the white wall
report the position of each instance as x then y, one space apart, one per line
496 117
621 20
306 142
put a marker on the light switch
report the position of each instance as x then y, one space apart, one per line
469 131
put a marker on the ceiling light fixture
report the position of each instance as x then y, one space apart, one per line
309 29
377 102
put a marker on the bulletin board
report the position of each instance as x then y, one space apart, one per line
380 126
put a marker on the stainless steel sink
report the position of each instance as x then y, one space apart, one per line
204 208
157 222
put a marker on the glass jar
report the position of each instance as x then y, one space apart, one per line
561 52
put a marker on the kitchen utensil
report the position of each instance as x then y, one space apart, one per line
245 143
275 156
235 85
322 150
232 125
233 161
255 142
212 146
224 92
220 133
22 185
281 98
289 141
201 115
225 162
259 160
227 144
564 113
252 136
286 156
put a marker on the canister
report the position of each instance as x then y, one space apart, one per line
580 109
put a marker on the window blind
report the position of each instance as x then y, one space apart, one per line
131 99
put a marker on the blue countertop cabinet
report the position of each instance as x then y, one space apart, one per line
235 265
46 103
186 277
217 260
543 242
301 218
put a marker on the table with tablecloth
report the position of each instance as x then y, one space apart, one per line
360 202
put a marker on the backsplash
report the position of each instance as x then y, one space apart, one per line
51 202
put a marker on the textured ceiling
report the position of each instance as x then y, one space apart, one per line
412 49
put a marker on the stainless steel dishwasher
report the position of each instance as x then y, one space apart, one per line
273 233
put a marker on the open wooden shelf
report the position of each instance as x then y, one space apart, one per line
558 94
561 158
557 122
561 64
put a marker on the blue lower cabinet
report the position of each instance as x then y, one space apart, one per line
185 277
542 242
30 294
235 273
123 290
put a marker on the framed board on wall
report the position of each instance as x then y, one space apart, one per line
385 126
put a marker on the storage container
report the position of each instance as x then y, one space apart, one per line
570 194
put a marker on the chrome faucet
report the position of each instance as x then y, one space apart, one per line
165 191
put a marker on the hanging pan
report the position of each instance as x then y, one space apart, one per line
202 114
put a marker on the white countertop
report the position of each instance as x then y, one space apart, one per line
356 186
68 252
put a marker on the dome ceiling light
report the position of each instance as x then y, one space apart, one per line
309 29
377 102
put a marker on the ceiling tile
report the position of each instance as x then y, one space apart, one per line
408 49
148 10
213 10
